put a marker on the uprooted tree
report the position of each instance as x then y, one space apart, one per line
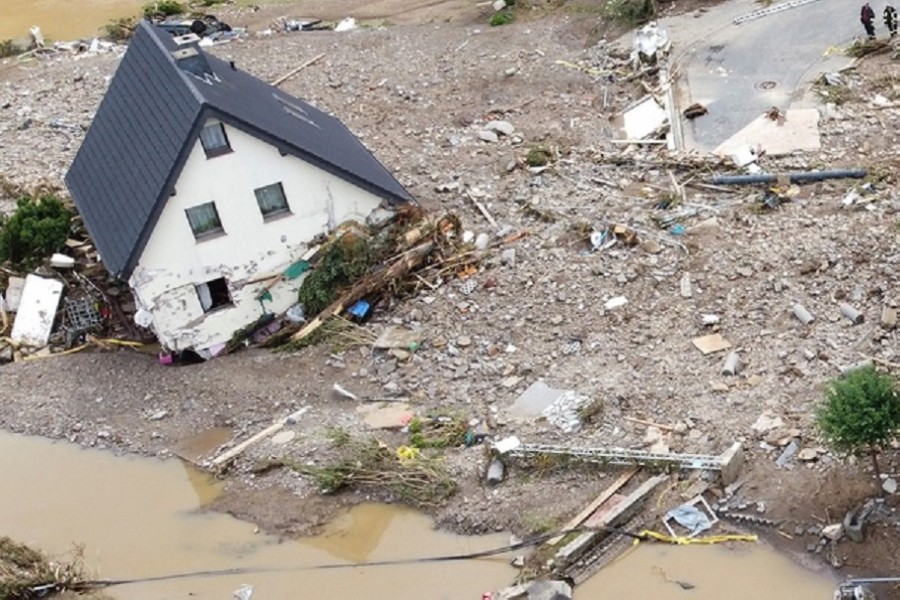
860 413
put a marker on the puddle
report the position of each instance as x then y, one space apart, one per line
739 572
140 518
61 19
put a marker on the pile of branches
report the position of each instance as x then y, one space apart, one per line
26 573
369 464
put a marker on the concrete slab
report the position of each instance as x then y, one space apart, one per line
37 311
643 118
711 343
14 288
385 415
534 401
798 131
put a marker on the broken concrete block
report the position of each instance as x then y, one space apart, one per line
686 291
14 288
711 343
833 532
61 261
37 311
888 317
551 589
732 462
495 472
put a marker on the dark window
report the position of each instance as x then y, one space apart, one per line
214 294
271 200
204 220
214 140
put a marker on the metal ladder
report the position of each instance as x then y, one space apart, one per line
765 12
618 456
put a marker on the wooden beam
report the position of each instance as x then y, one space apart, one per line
231 454
293 72
593 506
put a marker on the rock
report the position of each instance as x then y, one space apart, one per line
501 127
445 188
652 435
549 590
808 455
6 353
498 5
518 562
766 422
486 135
158 415
833 532
508 257
463 341
888 317
889 485
482 241
788 453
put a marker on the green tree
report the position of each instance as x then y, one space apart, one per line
860 413
36 229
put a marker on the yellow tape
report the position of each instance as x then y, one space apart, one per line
684 541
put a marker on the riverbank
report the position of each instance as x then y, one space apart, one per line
421 112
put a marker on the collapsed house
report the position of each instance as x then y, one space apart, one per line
205 188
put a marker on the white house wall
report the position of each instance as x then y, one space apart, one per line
173 262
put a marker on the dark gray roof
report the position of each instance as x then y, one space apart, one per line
149 120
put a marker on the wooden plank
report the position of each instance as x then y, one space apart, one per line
293 72
590 508
229 455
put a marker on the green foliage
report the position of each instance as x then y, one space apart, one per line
537 157
212 2
9 48
345 260
163 8
630 12
121 29
35 230
442 432
501 18
861 412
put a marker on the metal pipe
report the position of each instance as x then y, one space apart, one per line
795 177
874 580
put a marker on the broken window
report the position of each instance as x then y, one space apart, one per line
271 200
214 140
214 294
204 220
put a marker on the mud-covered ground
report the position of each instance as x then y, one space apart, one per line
418 92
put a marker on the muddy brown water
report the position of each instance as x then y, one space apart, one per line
142 518
61 19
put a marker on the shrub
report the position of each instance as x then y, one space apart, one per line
9 48
860 413
501 18
35 230
345 260
121 29
537 157
163 8
630 12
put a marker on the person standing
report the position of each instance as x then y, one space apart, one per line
890 19
867 18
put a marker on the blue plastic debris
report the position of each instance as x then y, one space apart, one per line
360 309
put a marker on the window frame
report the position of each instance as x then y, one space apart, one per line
207 234
218 150
274 214
214 306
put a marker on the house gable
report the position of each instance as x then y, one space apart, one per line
150 119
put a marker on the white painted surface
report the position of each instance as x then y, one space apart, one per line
37 310
643 119
798 131
173 262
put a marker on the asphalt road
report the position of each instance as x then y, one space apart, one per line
740 71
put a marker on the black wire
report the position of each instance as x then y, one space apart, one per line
381 563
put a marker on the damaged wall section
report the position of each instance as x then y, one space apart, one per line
199 277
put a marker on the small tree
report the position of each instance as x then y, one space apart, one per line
860 413
37 229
